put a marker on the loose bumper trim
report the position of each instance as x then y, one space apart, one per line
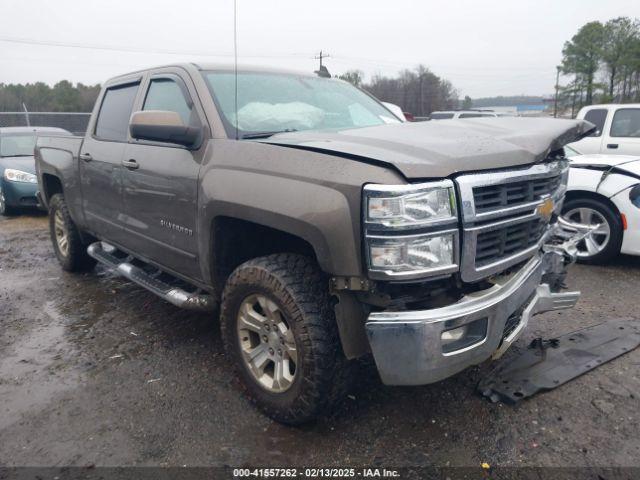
407 345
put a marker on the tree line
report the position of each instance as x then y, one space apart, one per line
418 91
40 97
603 60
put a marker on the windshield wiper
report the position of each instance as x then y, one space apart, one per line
266 134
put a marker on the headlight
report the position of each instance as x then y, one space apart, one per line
413 256
389 211
397 206
19 176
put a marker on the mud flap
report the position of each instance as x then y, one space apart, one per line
547 364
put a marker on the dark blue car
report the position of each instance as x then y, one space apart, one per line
18 182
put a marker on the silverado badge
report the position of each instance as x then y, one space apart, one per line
178 228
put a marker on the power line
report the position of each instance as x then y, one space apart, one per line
49 43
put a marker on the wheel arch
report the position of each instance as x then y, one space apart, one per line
233 242
579 194
51 185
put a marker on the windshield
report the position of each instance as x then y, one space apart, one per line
275 102
441 116
17 145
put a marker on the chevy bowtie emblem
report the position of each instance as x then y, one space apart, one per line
545 209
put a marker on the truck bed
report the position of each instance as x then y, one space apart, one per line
57 158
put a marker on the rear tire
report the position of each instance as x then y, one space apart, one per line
65 236
600 247
292 290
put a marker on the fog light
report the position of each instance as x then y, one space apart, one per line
468 335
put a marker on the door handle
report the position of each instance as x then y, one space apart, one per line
86 157
131 164
612 145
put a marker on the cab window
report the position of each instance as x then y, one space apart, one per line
626 123
597 116
113 119
166 94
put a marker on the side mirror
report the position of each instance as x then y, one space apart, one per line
163 126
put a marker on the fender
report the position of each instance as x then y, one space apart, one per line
310 195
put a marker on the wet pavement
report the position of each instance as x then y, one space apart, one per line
96 371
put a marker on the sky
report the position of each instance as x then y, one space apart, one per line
484 47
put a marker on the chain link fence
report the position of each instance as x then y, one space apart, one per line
74 122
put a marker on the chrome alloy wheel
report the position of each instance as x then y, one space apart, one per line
596 228
62 236
267 343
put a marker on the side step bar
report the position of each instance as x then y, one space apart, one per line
153 281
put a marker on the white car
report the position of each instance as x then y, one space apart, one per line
603 202
617 132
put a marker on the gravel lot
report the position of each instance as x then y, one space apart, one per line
96 371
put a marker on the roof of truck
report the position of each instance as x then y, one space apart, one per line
20 130
220 67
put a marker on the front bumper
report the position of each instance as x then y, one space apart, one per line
19 194
408 347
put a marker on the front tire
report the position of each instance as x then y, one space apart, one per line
5 210
279 329
65 236
606 238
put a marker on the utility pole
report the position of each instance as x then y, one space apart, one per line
555 102
421 95
320 56
322 70
26 114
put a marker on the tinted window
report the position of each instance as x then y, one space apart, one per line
17 145
626 123
597 117
115 111
165 94
474 115
441 116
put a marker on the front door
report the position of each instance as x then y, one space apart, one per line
100 162
160 185
624 135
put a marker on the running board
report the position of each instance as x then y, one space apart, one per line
156 281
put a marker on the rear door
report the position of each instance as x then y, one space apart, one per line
160 181
100 161
623 136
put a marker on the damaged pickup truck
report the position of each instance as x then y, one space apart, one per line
322 227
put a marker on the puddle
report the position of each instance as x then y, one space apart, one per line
36 367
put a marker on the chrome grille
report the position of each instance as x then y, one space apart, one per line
502 221
495 245
491 197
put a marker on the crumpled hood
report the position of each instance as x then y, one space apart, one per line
25 164
438 149
627 163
